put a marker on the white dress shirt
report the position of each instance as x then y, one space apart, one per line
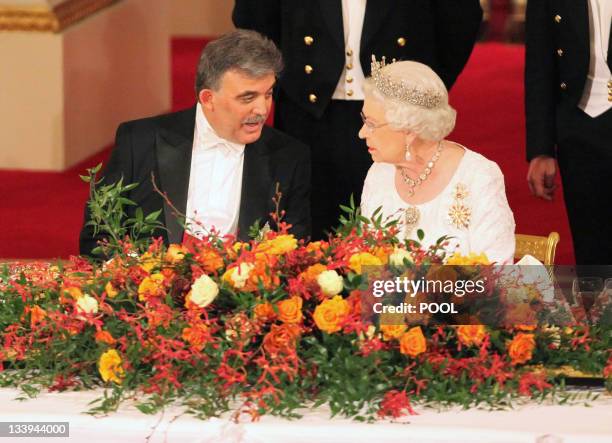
594 100
215 181
350 86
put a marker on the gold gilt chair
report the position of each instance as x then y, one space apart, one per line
541 247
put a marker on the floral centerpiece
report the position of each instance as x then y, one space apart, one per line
267 326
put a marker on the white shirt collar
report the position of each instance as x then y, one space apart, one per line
207 138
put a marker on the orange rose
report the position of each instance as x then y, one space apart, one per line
413 342
471 334
317 248
521 348
330 314
264 312
281 339
312 272
290 310
197 336
37 314
391 332
105 337
210 260
160 315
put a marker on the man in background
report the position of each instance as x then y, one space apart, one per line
328 46
568 96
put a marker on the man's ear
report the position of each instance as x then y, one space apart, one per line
206 97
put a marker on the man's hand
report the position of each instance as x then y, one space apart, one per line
541 177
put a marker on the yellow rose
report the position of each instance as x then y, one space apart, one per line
290 310
521 348
398 256
239 275
175 253
413 342
382 252
111 292
471 334
87 305
110 366
151 286
278 245
70 292
330 282
357 261
149 261
466 260
203 291
328 316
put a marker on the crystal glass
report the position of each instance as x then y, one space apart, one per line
585 290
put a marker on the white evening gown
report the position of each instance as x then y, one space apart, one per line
477 185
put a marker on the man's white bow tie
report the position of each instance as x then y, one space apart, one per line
210 140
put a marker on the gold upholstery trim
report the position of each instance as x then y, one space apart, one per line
542 248
40 19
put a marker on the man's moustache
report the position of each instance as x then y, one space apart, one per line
256 119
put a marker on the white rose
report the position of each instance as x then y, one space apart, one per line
398 256
241 274
331 283
203 291
87 305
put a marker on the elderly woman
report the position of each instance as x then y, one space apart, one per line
423 180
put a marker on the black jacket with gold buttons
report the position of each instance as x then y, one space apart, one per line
439 33
556 67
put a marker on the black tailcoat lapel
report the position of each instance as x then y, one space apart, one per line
174 144
255 199
375 14
332 15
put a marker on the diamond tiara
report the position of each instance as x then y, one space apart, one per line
402 91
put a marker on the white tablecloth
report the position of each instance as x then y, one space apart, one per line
569 424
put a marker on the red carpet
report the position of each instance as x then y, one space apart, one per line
41 213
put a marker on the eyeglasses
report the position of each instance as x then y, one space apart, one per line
370 127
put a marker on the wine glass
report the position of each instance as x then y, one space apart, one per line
585 290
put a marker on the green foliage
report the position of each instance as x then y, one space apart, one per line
108 206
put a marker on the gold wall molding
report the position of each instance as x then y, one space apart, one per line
42 19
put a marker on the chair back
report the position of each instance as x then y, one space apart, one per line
541 247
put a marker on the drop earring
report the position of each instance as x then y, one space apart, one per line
408 155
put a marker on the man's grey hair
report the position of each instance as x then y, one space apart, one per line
241 50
